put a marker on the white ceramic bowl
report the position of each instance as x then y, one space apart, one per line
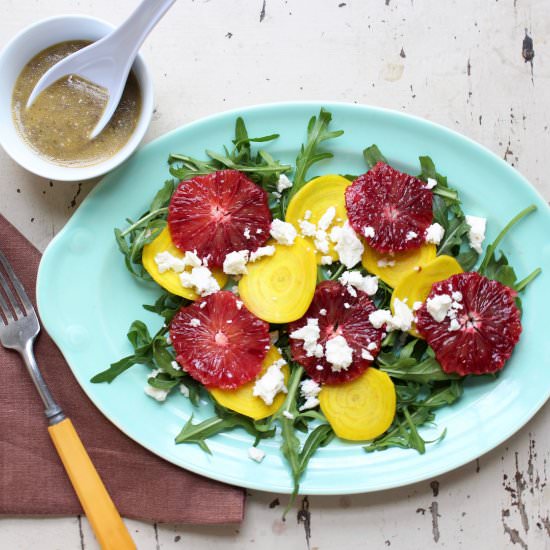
19 51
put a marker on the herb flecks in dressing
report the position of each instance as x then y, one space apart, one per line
59 123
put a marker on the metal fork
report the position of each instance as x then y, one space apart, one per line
19 328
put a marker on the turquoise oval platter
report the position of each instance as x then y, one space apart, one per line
87 299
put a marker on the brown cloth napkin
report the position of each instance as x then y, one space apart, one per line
32 478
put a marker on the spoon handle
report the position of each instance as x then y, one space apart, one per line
130 35
125 42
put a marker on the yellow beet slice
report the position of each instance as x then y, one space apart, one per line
279 288
361 409
415 285
170 279
242 400
404 262
317 196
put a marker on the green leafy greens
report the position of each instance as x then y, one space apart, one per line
421 385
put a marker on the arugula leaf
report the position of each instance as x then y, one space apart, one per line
442 189
499 269
491 249
373 156
139 337
317 132
114 370
223 421
456 233
152 351
291 420
166 306
162 382
449 214
425 371
242 141
131 240
403 433
261 167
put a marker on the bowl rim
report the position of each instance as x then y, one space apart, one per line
32 161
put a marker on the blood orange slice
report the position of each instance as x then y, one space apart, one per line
217 214
219 342
480 335
338 313
392 210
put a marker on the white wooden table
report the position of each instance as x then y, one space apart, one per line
456 62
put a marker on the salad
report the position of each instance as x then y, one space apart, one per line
348 306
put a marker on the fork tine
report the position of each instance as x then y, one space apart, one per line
5 310
19 289
11 298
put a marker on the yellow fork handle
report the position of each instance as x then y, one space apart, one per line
102 514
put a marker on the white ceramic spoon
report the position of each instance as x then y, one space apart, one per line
107 62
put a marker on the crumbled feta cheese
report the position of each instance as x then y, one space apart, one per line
246 232
365 354
195 322
417 306
430 184
166 262
288 415
239 304
309 389
156 393
308 229
175 365
307 214
368 231
201 279
349 247
403 316
235 262
256 454
202 305
367 283
326 219
438 306
434 233
372 346
283 183
338 353
401 320
326 260
268 250
153 373
235 290
259 231
169 340
385 262
454 325
321 241
283 232
192 260
411 235
456 295
346 305
322 311
271 383
309 333
184 390
476 235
